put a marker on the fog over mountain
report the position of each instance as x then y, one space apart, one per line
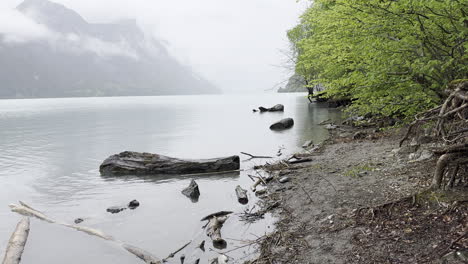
66 56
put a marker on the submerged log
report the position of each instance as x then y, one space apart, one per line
217 214
17 241
136 163
241 195
27 210
276 108
213 229
282 124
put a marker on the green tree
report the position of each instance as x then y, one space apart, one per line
392 57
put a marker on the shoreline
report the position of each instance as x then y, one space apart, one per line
361 199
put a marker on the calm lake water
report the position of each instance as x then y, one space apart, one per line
51 149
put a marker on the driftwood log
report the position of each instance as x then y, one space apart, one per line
241 195
17 241
282 124
136 163
276 108
27 210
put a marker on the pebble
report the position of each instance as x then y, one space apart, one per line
284 179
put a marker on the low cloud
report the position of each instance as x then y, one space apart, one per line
17 28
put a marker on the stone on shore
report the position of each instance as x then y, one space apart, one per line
137 163
282 124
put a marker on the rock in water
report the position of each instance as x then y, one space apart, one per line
133 204
282 124
276 108
136 163
192 191
115 209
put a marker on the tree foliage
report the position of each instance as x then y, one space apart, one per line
392 57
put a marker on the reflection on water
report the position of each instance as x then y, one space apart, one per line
51 149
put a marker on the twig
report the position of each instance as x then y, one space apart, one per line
175 252
256 157
310 198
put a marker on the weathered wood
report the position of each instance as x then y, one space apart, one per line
217 214
254 186
256 157
282 124
241 195
142 254
17 241
213 230
136 163
299 160
27 210
177 251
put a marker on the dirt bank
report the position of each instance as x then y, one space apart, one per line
355 202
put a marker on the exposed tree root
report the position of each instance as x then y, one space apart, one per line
449 125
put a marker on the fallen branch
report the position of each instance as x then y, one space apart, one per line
17 241
256 157
175 252
301 160
217 214
308 195
27 210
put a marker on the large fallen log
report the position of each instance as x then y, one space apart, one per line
136 163
27 210
17 241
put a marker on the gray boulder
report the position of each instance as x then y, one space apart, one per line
276 108
136 163
282 124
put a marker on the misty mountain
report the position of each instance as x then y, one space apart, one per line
77 58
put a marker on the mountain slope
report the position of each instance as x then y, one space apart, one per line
77 58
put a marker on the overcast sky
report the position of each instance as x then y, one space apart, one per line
234 44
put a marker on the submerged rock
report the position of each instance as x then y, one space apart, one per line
137 163
276 108
282 124
115 209
192 191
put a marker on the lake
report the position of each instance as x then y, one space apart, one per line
51 149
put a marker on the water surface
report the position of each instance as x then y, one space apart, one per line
51 149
